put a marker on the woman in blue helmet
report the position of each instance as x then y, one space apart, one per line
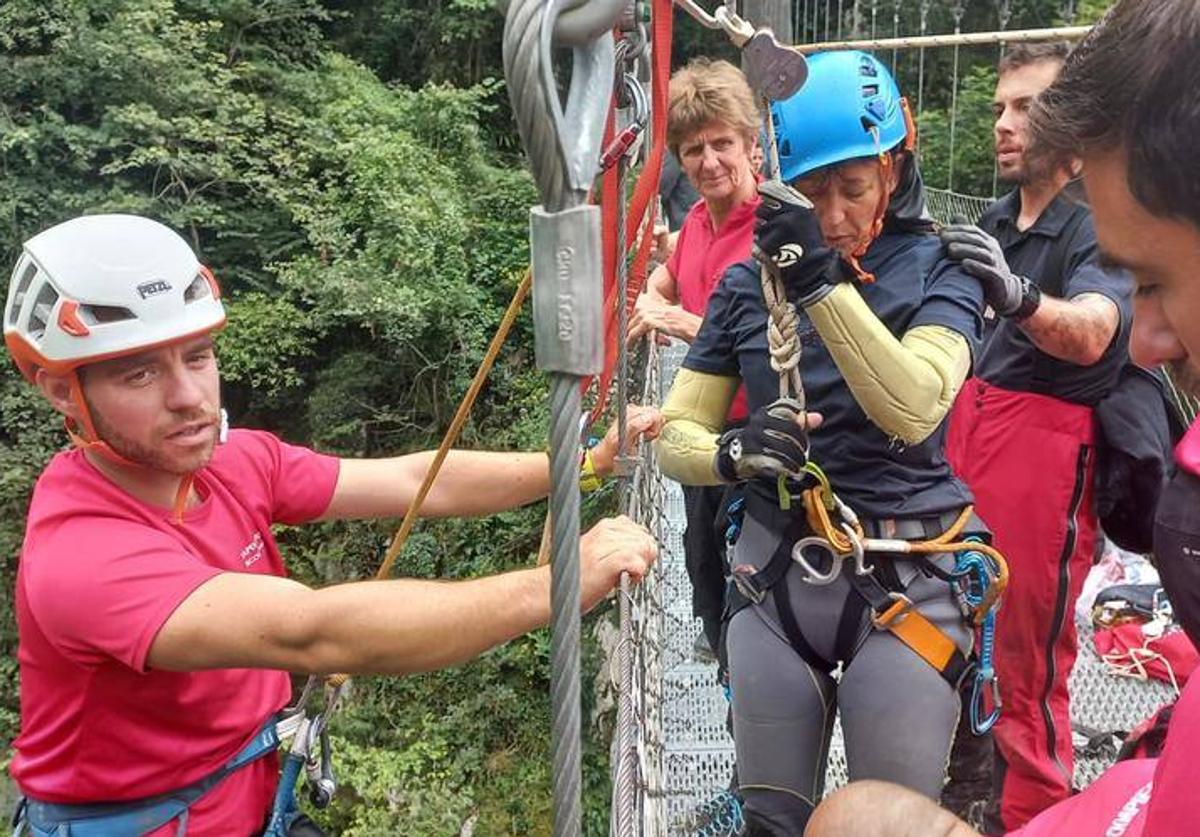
887 330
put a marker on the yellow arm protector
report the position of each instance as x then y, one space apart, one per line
905 386
693 417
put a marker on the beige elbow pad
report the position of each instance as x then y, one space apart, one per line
905 386
694 414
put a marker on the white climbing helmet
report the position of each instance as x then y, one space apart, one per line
103 286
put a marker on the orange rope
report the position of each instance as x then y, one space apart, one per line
817 511
448 440
460 418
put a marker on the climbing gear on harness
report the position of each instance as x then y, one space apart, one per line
773 443
983 574
104 819
749 586
310 751
788 239
974 575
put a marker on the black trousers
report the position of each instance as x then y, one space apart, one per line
704 554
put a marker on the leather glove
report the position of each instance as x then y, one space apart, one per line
788 236
772 442
981 256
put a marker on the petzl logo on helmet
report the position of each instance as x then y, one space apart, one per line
790 254
149 289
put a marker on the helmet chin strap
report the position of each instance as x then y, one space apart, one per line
885 170
84 436
886 165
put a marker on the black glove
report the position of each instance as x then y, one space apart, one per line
981 256
772 442
788 237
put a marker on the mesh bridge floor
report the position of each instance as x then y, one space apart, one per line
696 751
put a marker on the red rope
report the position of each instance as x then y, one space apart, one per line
641 207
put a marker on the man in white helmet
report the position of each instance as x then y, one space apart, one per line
157 625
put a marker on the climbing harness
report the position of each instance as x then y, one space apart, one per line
104 819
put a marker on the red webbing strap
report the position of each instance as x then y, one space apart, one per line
610 186
641 208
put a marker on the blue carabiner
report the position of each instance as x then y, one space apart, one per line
981 726
734 514
985 677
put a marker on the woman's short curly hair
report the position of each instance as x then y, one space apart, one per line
706 91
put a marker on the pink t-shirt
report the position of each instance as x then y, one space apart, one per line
1115 805
701 257
1140 797
100 573
1175 807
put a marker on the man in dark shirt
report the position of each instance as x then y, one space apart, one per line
1021 434
677 192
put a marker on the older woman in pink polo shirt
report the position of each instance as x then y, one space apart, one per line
712 127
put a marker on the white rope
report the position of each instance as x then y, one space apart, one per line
1062 33
783 341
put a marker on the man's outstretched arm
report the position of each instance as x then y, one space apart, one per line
243 620
469 483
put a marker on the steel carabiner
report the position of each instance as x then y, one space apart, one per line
980 725
857 550
811 574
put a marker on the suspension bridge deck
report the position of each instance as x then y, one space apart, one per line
686 755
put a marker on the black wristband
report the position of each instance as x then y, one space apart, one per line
1031 298
729 450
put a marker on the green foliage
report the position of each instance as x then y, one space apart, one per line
973 153
367 242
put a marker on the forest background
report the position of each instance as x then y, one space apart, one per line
351 172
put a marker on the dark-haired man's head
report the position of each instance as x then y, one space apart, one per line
1128 104
1025 71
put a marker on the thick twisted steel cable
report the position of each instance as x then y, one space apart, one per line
562 182
523 72
566 407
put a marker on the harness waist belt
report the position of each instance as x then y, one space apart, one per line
890 610
138 816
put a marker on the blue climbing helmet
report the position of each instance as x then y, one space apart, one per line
850 107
